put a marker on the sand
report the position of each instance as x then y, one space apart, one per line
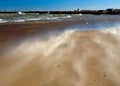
72 58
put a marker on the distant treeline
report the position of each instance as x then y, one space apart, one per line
95 12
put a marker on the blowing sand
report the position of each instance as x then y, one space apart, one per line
72 58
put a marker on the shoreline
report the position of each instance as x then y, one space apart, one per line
58 59
11 33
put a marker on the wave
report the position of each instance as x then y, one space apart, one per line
80 14
68 16
32 17
19 20
47 17
52 18
2 21
20 13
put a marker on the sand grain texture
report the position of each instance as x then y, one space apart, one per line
73 58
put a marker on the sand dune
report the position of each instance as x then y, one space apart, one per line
73 58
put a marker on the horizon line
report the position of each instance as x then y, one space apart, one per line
55 10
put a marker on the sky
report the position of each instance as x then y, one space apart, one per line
58 4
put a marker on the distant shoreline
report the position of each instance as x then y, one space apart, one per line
94 12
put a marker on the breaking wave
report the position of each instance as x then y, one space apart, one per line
2 21
20 17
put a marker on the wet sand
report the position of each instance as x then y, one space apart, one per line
73 58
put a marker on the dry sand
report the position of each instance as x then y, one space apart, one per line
74 58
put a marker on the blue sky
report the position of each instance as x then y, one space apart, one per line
57 4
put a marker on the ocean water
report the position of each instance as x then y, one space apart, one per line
81 55
22 17
31 17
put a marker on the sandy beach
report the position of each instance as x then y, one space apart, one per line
71 58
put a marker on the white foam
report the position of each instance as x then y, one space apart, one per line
20 20
33 19
80 14
36 19
2 21
68 16
20 13
52 18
